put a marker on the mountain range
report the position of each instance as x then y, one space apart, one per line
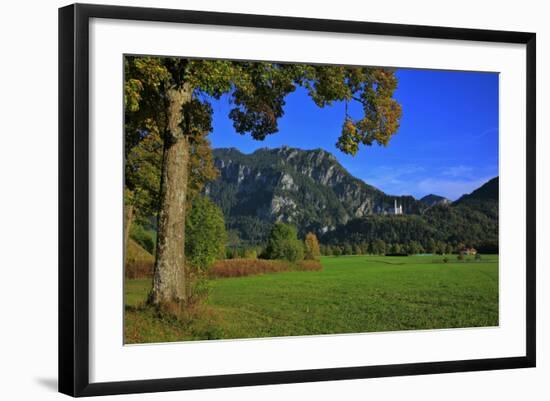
313 191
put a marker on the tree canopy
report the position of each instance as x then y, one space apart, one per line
258 91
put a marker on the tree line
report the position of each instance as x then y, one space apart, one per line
440 229
379 247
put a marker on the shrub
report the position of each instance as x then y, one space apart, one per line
205 234
293 250
445 259
460 256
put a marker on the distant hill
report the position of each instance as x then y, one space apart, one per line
488 191
483 199
308 188
432 200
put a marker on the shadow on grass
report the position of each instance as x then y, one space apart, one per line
385 262
200 322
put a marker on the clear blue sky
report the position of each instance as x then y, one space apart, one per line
447 143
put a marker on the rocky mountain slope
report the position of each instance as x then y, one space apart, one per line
308 188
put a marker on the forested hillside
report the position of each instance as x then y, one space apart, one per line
312 190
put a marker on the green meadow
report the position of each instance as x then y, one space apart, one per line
352 294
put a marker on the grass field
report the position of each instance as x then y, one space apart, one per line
351 294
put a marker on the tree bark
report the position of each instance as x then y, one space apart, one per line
128 218
169 271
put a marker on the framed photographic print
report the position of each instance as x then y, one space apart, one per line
249 199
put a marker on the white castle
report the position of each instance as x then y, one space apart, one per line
396 209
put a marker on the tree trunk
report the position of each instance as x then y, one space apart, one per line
169 271
128 218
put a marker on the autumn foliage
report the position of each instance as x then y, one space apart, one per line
311 247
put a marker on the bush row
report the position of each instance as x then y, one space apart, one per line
249 267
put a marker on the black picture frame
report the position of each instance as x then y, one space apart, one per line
74 200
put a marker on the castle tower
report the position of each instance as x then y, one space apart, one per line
397 210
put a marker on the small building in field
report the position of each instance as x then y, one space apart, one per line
468 251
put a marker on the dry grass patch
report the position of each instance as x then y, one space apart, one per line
250 267
246 267
139 262
309 265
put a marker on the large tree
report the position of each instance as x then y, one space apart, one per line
172 94
145 121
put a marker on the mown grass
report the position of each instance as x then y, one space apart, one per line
351 294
